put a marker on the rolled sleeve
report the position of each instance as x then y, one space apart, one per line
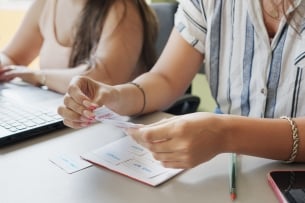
190 22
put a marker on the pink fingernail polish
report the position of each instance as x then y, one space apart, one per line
92 107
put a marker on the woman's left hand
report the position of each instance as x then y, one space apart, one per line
23 72
182 141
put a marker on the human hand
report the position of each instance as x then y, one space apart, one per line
182 141
83 96
7 73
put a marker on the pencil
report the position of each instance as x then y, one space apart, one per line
233 176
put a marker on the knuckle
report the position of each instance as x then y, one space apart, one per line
182 127
66 100
148 135
60 110
156 156
71 88
79 109
151 148
67 123
166 164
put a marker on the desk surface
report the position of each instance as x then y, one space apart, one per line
27 175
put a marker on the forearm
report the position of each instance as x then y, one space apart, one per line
58 79
102 72
165 82
25 45
268 138
157 97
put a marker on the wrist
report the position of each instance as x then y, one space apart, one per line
5 60
42 78
132 95
215 126
114 99
230 125
139 87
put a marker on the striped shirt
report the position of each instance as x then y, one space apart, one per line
247 74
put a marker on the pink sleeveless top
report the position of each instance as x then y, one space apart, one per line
59 58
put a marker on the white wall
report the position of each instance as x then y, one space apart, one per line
15 4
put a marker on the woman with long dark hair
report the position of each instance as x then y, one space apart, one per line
111 41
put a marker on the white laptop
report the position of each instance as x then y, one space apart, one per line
27 111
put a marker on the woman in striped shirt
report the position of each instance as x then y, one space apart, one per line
254 55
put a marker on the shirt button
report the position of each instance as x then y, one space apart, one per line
263 91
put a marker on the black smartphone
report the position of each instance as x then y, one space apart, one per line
289 186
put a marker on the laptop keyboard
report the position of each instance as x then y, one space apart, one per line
17 117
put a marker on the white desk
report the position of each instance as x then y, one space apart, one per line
27 176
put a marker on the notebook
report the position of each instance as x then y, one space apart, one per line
27 111
125 156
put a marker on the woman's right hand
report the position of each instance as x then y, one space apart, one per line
4 73
83 96
6 66
10 72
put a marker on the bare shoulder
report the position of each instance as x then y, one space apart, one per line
41 2
37 6
125 7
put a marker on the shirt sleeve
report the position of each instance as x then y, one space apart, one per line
190 21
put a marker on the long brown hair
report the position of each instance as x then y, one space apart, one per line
90 26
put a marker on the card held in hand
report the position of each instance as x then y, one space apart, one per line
107 116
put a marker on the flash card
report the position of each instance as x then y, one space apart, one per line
105 115
103 112
69 163
121 124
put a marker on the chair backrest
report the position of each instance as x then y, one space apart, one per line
165 12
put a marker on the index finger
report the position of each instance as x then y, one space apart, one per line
151 133
80 97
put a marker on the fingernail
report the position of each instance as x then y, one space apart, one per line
85 119
89 105
92 108
88 114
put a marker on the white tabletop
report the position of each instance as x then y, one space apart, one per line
28 176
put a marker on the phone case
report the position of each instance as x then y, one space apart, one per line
276 190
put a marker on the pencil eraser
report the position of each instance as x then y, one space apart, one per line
233 196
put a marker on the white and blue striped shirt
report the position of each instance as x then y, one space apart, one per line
247 75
